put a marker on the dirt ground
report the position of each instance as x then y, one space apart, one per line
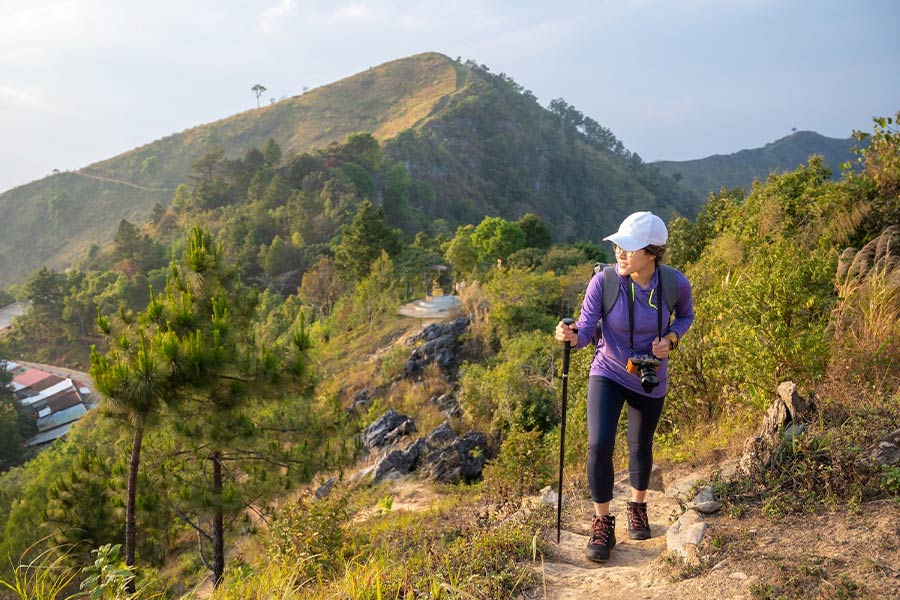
843 554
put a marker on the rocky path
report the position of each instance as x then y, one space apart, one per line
636 569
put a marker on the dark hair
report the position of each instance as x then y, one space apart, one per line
658 251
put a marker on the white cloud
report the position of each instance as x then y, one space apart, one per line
270 21
15 97
352 13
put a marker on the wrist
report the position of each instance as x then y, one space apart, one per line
673 339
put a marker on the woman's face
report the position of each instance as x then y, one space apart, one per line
632 262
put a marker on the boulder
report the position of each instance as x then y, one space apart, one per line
325 489
885 451
389 427
440 436
399 462
685 536
461 460
784 421
705 502
442 346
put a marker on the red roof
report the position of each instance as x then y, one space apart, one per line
30 377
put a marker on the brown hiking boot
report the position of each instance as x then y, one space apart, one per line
638 522
603 538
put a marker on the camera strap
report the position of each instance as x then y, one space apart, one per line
631 311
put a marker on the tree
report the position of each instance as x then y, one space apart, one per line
496 238
193 350
363 240
11 447
134 384
537 235
461 252
259 90
272 153
321 286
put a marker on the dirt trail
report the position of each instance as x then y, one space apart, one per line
120 182
636 569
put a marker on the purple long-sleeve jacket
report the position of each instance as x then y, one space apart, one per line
612 351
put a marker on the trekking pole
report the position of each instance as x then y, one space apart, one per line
562 429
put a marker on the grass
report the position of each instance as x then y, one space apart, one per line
444 551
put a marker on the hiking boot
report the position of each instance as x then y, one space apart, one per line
638 522
603 538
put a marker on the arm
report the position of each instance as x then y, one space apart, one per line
684 318
587 320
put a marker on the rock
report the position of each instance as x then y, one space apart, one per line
550 496
739 575
389 427
462 460
797 406
399 462
783 421
448 405
656 479
440 436
324 489
684 537
361 400
704 502
885 451
442 346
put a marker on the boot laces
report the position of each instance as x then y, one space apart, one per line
637 516
600 529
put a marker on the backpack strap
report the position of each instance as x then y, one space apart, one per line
610 289
668 281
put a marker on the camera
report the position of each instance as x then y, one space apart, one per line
645 365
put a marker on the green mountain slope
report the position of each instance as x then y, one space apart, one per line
473 143
740 169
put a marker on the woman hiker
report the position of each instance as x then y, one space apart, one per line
635 337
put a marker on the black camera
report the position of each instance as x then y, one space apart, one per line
645 365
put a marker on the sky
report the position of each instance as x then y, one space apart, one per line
85 80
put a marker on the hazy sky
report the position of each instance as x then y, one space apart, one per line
84 80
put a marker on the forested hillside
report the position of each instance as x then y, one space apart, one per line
740 169
232 394
468 144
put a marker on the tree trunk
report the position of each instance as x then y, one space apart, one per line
130 502
218 522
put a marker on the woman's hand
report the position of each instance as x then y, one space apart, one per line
662 347
566 333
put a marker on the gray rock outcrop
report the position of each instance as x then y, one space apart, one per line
462 460
441 346
442 456
785 419
389 428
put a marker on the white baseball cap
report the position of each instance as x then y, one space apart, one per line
639 230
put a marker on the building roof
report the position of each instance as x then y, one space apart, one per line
50 435
30 377
63 400
62 417
62 386
45 383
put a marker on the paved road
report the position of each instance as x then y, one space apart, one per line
7 313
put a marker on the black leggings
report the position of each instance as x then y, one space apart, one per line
605 399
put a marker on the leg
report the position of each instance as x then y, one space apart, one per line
643 417
604 404
605 400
